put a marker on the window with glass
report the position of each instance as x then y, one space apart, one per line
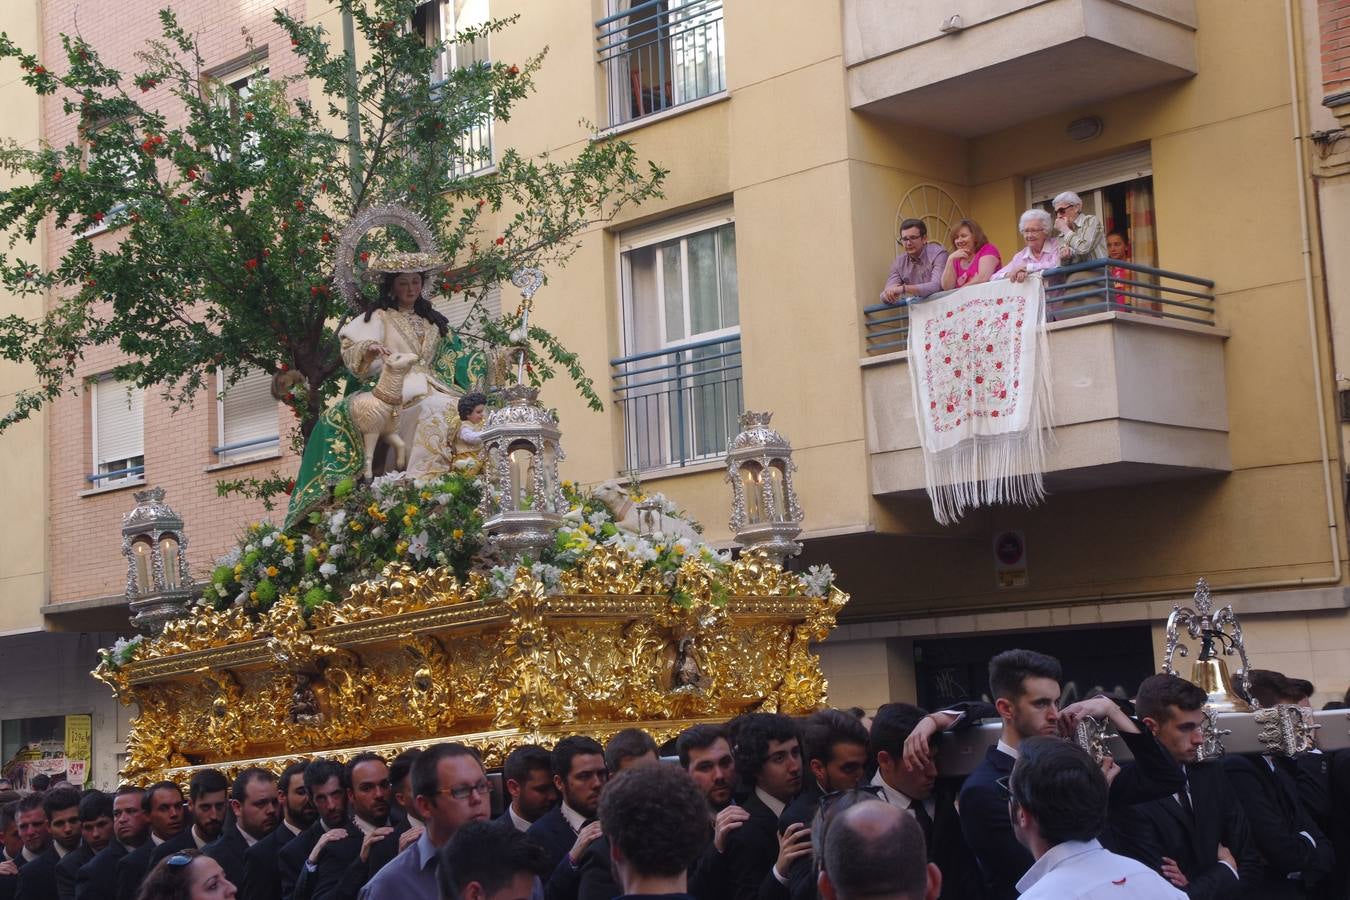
435 20
658 54
117 417
679 383
246 417
231 89
1116 189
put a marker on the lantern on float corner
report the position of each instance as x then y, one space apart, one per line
159 586
524 505
765 514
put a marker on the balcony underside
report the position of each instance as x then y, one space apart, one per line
1012 64
1137 400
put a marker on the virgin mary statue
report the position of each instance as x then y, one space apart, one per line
402 320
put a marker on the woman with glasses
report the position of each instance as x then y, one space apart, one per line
1041 251
186 875
973 259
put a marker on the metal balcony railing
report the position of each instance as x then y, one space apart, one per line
659 54
1098 285
680 404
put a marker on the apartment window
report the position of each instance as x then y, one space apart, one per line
1117 189
458 307
231 87
679 382
117 413
658 54
106 154
436 21
246 416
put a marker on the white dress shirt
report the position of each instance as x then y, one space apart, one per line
902 800
521 823
1085 870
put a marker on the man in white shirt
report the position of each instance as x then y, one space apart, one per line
1057 805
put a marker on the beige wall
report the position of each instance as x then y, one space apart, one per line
23 449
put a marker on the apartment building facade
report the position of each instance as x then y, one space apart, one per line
1198 443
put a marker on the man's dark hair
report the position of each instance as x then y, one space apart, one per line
357 760
60 798
486 853
914 223
239 790
8 813
30 802
826 728
40 782
892 726
869 862
207 781
657 817
752 741
525 759
95 805
402 765
320 770
1061 787
698 737
1303 688
627 744
148 798
426 779
1270 688
1010 669
1159 693
294 770
568 748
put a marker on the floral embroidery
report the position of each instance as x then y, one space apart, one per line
972 369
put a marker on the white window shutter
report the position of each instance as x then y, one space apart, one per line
456 307
119 421
248 413
1086 176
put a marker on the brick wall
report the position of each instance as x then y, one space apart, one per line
86 559
1334 23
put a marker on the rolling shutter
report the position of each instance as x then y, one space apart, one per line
119 424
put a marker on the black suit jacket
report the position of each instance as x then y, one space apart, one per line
988 830
752 849
291 857
37 880
183 840
68 869
1276 817
9 883
340 874
132 869
229 850
262 878
552 832
97 879
1150 831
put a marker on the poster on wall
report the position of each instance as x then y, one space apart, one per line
79 734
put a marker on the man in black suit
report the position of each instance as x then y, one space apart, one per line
1198 839
657 822
768 757
11 849
579 773
208 796
60 808
328 793
705 753
593 878
163 806
403 810
528 777
253 802
96 832
1025 685
917 791
262 878
97 879
340 868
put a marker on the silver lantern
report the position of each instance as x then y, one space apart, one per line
159 587
765 514
524 505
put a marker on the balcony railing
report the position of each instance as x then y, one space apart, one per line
680 404
659 54
1098 285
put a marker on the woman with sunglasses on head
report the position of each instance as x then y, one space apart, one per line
186 876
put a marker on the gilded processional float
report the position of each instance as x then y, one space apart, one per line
479 598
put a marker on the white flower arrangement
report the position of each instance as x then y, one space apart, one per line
818 580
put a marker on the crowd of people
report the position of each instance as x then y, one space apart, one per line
924 268
835 805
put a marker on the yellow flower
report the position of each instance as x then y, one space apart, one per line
357 526
400 548
588 528
457 533
373 509
407 521
679 551
426 496
253 595
271 571
410 510
567 485
238 570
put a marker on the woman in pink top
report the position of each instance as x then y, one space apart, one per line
974 259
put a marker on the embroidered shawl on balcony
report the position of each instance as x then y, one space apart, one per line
981 379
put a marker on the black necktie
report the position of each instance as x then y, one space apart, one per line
925 821
1184 798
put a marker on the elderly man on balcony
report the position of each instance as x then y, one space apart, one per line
1041 251
1081 236
917 272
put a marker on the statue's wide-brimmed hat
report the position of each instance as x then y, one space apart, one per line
404 263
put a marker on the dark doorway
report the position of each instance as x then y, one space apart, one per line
1110 660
